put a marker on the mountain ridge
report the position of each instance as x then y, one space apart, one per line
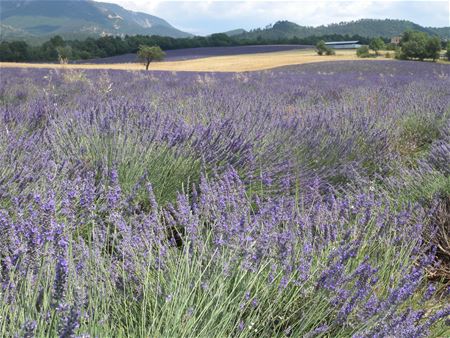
77 18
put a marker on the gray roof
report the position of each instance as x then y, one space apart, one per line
341 42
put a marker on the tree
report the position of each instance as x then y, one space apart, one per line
20 50
5 52
377 44
419 45
57 41
414 45
149 54
64 53
15 51
49 48
220 39
433 48
363 52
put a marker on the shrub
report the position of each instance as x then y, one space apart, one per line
376 45
398 53
417 132
363 52
237 269
321 48
391 46
428 182
120 147
438 234
448 51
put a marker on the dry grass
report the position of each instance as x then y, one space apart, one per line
232 63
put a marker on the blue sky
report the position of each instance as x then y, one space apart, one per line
206 17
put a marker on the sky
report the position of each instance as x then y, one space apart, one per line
206 17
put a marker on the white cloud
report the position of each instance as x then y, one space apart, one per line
204 17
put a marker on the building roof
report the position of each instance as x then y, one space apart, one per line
341 42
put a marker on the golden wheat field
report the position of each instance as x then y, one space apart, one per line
229 63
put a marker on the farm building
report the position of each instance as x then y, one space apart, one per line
396 40
343 44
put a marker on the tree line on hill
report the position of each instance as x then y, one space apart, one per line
90 48
370 28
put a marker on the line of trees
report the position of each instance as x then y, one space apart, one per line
57 48
414 45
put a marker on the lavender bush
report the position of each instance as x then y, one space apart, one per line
294 202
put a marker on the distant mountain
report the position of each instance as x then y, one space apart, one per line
76 19
365 27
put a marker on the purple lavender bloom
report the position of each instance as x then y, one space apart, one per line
317 331
29 329
62 266
70 321
114 193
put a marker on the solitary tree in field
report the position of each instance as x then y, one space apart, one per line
64 53
377 44
149 54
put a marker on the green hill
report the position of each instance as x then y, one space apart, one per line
235 32
364 27
27 19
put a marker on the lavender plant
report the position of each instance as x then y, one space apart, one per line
294 202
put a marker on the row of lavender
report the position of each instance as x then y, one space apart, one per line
200 52
304 201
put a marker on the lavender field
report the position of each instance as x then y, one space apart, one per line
305 201
199 52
